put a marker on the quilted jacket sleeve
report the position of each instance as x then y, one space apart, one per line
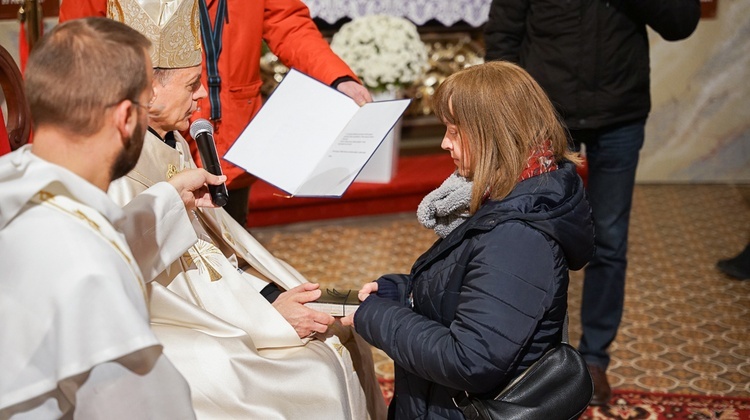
509 284
394 287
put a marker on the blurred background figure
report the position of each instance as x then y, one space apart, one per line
738 266
592 58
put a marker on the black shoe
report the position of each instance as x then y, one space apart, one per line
602 391
737 267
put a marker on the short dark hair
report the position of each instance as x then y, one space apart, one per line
82 67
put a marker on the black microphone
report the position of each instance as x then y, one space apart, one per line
203 133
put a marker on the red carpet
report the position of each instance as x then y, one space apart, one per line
415 177
637 405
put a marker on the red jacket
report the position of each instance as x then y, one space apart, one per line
290 33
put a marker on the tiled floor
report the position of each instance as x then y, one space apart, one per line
686 327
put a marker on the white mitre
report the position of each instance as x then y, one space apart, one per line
172 26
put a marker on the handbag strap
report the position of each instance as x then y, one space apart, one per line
557 386
464 403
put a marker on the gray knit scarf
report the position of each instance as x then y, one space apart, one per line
445 208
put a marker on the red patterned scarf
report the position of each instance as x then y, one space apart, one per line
541 161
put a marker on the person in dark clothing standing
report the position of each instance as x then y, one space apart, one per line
592 59
737 267
489 298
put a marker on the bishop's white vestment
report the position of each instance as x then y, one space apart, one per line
75 334
241 358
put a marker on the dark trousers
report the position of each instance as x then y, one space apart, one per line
612 155
237 205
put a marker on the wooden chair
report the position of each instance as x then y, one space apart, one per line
19 117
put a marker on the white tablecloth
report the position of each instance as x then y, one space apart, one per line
447 12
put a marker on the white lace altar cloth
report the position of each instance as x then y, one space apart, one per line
447 12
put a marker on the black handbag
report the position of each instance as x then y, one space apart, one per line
557 386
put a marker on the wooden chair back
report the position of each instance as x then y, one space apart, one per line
19 117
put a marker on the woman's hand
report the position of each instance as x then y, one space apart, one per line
367 290
364 293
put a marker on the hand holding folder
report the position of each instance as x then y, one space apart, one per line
311 140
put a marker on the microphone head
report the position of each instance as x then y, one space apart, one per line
201 125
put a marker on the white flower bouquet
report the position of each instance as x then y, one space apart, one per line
384 51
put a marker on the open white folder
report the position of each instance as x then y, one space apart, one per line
311 140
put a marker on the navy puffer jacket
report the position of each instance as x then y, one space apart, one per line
488 300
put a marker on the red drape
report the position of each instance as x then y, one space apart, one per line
23 46
4 143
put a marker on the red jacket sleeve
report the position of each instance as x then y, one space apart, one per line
74 9
292 35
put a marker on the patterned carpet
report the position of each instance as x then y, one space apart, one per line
636 405
686 327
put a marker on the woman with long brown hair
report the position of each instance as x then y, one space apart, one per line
489 298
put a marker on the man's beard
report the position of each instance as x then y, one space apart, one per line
131 151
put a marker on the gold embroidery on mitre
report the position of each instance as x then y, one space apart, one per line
196 26
114 10
171 171
201 255
170 25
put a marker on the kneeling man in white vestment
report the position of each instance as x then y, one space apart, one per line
244 346
75 340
